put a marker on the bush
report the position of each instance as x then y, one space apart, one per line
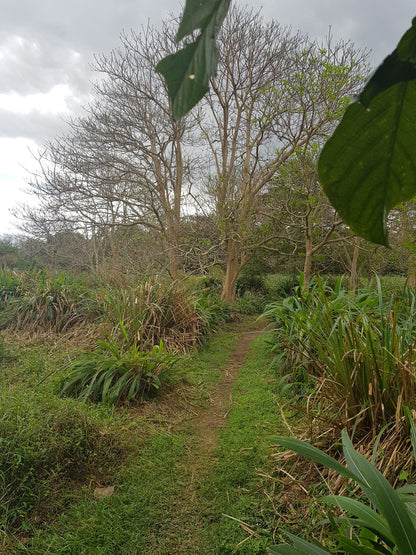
10 287
46 443
43 304
249 282
386 523
155 312
280 285
250 303
359 347
117 374
212 311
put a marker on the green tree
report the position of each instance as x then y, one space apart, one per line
275 93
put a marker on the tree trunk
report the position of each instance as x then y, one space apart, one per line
354 265
307 266
411 274
232 271
172 248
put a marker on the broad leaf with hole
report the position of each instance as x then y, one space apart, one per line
188 71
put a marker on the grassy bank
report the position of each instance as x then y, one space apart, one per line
152 441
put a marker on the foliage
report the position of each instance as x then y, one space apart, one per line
280 285
386 523
368 166
250 282
39 303
359 347
250 303
152 480
116 374
188 71
45 444
212 311
365 182
160 311
10 286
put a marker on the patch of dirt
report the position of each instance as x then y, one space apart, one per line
209 422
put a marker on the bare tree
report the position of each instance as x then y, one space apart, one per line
275 93
125 162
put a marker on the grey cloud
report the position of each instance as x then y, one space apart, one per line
50 41
58 39
371 24
38 127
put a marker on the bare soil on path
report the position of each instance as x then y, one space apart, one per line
188 513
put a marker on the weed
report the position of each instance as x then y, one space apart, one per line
360 348
46 443
47 305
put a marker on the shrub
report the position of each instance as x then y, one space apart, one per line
249 282
212 311
359 347
250 303
48 304
386 523
117 374
10 286
46 443
155 312
280 285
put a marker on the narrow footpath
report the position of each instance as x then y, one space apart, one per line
187 512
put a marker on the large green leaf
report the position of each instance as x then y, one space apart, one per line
188 71
396 68
364 515
306 547
369 165
378 489
199 13
284 549
392 71
314 454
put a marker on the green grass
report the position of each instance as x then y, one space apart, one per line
232 484
137 517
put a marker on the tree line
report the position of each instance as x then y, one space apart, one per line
231 182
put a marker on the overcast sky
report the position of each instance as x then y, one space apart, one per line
47 46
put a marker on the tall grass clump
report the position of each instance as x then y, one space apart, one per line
47 304
158 311
358 349
117 372
151 326
10 286
383 523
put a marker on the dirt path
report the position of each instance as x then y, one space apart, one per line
210 421
188 513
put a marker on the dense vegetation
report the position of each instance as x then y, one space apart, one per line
109 305
81 361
